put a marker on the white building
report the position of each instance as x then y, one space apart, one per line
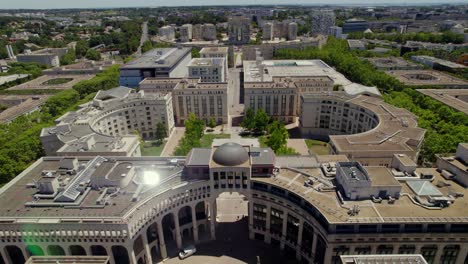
321 21
186 32
336 32
292 31
208 69
167 33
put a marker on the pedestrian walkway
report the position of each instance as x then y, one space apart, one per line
173 141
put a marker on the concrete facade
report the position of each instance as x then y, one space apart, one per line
208 69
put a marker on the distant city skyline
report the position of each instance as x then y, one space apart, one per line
57 4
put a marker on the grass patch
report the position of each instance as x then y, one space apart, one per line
57 81
207 139
151 148
317 146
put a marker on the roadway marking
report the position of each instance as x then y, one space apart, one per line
295 178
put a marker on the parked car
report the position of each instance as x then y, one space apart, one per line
187 252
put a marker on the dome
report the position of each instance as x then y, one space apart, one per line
230 154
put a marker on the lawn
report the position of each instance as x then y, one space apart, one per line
207 139
317 146
151 148
57 81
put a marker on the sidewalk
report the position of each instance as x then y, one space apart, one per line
173 141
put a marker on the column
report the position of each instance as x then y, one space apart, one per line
110 254
373 249
283 231
162 243
194 224
25 252
177 231
352 249
132 255
440 249
395 248
147 246
87 250
462 254
251 214
299 239
328 254
268 224
314 245
213 220
418 248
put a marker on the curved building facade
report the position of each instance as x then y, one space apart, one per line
137 209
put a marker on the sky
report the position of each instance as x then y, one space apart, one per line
46 4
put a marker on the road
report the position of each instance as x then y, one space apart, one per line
144 37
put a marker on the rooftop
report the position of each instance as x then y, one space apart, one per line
206 62
215 50
157 58
290 68
19 105
427 77
455 98
392 62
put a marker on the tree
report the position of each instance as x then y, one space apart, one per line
278 137
81 48
212 123
261 120
195 52
161 132
92 54
68 58
194 126
147 46
248 122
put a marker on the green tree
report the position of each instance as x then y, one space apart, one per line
147 46
68 58
195 52
278 136
248 122
261 120
81 48
212 123
161 132
92 54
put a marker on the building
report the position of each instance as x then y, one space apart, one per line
4 67
205 100
429 78
19 105
393 63
186 32
268 49
321 21
275 86
267 31
392 258
208 69
439 64
336 32
454 98
189 95
197 32
356 44
355 25
217 52
454 167
239 30
68 259
167 33
292 31
361 126
49 57
81 68
107 125
209 32
159 63
136 209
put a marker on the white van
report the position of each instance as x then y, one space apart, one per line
187 252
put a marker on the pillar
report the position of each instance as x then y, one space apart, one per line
147 246
177 231
328 254
110 255
462 254
132 256
418 248
268 224
251 214
194 224
213 220
162 243
299 239
25 252
440 249
373 249
395 248
314 245
283 230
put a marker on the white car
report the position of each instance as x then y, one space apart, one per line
187 252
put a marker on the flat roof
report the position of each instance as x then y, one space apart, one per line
206 62
158 58
427 77
387 62
291 68
396 132
19 105
455 98
215 50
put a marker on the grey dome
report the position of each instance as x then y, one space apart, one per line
230 154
